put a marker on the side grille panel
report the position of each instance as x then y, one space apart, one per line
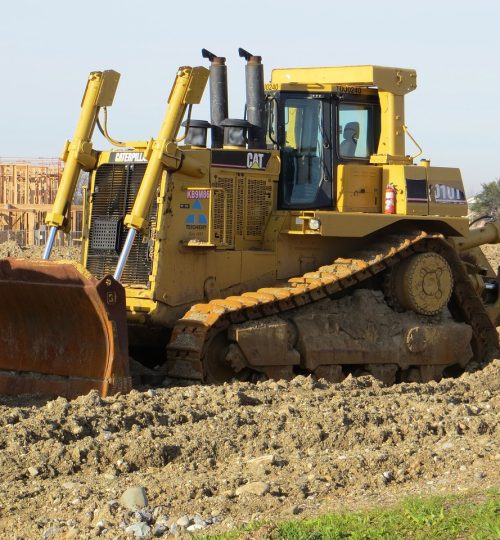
116 186
227 184
240 204
259 205
248 205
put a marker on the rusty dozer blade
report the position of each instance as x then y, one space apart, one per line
62 332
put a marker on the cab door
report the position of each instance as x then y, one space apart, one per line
304 131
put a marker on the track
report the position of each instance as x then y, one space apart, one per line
195 336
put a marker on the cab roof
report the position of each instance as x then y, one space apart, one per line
398 81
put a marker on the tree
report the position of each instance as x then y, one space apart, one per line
488 201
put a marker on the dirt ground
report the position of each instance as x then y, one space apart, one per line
492 252
180 460
12 249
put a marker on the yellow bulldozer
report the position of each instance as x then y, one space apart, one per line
304 239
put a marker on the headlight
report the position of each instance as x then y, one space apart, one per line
314 224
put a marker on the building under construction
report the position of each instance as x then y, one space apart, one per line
27 190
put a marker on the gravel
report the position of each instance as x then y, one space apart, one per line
12 249
203 457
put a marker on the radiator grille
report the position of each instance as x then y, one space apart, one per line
116 186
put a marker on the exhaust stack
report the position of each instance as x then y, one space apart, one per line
254 75
218 96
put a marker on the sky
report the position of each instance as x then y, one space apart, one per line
48 49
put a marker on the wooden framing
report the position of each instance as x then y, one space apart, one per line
27 190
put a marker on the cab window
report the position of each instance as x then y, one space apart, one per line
356 134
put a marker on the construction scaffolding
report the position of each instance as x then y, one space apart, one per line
28 188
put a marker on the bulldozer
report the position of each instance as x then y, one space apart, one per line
303 240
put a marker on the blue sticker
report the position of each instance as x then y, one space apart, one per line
190 219
202 219
197 205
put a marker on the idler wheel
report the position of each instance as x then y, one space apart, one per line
217 369
223 362
423 283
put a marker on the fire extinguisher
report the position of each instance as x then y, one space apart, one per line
390 199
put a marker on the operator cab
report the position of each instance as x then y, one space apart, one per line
315 133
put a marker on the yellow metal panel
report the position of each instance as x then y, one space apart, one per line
228 267
447 197
399 176
359 188
357 225
320 88
392 136
179 273
256 263
199 220
396 80
274 225
109 84
195 84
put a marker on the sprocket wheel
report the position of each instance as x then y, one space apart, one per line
422 283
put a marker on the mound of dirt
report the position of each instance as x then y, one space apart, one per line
201 457
492 252
10 249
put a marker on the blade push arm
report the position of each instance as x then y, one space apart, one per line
78 154
163 152
487 234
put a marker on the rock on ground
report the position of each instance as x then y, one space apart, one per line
134 498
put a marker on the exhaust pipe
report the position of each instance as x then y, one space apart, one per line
218 96
254 75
